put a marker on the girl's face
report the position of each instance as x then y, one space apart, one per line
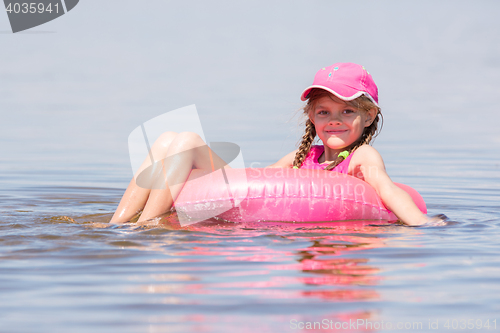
337 124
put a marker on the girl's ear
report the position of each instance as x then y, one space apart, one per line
310 118
370 116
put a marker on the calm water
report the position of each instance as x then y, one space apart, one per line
71 93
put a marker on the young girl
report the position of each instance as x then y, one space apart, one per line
342 110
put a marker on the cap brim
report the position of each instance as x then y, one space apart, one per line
348 94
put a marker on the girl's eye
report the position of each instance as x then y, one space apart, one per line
348 111
322 112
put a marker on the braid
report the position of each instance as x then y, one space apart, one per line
305 145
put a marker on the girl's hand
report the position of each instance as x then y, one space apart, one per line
431 221
436 221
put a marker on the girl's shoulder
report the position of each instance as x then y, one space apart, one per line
365 156
366 150
285 162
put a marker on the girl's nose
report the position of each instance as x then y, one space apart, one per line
335 119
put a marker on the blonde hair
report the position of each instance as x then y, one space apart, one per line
361 103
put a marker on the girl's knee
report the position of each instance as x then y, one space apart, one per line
189 139
165 139
185 141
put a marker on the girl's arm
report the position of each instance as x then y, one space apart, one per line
285 162
368 165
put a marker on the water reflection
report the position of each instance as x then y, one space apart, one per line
306 261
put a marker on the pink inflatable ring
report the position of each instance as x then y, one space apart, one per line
282 194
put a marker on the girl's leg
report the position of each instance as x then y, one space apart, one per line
186 152
135 197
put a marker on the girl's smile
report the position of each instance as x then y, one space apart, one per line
338 124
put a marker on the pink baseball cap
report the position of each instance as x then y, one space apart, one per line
346 80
